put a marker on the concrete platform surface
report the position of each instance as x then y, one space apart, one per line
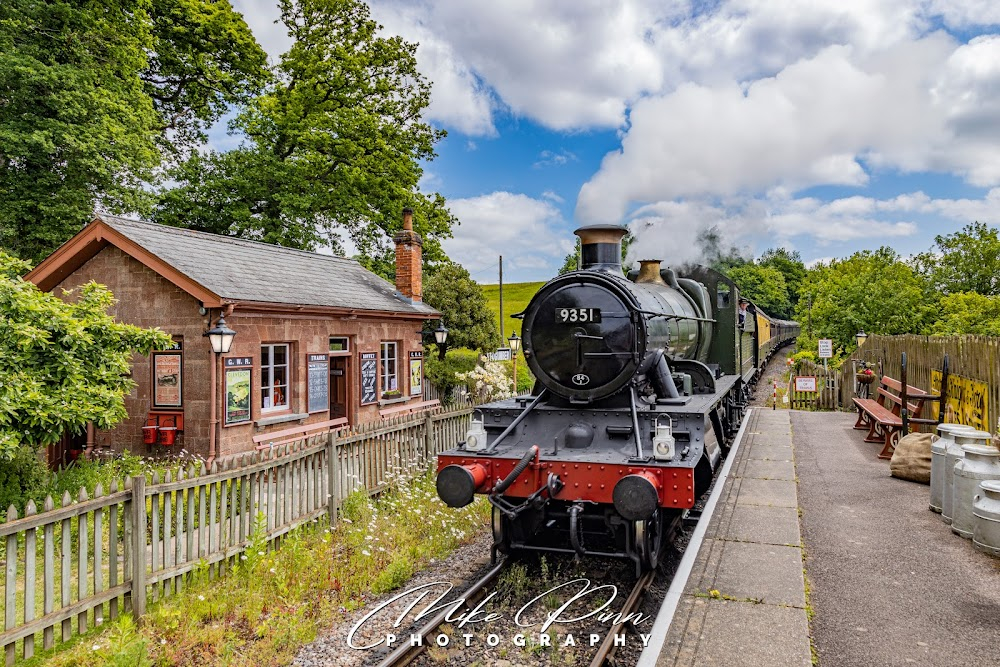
744 603
890 584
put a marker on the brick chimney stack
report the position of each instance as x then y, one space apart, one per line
409 254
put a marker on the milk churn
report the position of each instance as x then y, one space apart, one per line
945 437
980 463
951 457
986 517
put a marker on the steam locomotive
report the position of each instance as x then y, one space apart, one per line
641 385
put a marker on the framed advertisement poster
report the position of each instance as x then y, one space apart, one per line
238 383
369 377
167 380
416 373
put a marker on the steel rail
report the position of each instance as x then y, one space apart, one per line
607 649
407 653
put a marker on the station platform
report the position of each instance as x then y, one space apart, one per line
816 555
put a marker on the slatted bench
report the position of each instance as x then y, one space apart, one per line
882 416
284 436
408 408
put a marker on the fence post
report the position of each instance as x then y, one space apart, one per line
138 546
333 478
428 437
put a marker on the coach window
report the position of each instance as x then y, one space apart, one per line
389 370
274 377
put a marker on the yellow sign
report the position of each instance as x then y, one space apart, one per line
967 400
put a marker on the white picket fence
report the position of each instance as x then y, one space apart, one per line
93 558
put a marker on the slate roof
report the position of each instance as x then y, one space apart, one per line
240 270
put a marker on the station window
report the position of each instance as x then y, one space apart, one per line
389 368
274 376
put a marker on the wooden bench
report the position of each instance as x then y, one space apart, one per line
408 408
882 416
284 436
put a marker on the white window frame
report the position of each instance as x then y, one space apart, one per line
267 378
389 381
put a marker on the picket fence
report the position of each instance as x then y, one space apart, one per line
92 559
827 388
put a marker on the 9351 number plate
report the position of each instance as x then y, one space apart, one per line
577 315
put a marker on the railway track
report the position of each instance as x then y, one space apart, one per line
406 653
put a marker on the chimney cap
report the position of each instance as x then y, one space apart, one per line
407 211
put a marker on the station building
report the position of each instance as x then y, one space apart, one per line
317 337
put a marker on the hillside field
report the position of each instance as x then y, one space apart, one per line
515 299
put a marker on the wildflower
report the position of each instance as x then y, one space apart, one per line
243 557
272 571
96 647
201 597
366 552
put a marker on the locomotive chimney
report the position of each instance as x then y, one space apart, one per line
601 247
409 250
649 272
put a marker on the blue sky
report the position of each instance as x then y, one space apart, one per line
823 126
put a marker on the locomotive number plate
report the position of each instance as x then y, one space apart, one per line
564 315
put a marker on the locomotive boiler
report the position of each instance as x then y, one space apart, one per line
641 384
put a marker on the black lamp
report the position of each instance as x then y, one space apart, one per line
441 337
515 343
861 337
221 336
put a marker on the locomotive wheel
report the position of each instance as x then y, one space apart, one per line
648 540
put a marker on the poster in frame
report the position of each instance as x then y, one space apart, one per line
167 380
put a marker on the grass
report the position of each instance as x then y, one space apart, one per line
275 601
515 299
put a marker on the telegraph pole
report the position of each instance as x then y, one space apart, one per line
501 299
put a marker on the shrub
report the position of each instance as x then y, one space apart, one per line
444 374
21 479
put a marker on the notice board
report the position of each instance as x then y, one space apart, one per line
318 382
369 377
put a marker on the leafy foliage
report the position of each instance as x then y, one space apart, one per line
789 263
444 373
765 286
871 290
62 364
451 290
966 261
967 313
333 146
95 92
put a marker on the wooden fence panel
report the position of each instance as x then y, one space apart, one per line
196 516
973 357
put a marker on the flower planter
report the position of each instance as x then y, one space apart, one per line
865 378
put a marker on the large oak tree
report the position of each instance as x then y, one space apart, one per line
330 154
95 95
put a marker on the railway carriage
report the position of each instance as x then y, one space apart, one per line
642 383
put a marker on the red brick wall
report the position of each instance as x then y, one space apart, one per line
146 299
409 276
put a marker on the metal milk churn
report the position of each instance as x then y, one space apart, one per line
980 463
986 518
945 437
951 457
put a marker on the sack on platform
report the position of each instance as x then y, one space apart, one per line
912 458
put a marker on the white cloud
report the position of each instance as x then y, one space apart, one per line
528 232
671 230
558 158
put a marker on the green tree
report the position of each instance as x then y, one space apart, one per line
62 364
333 147
871 290
451 290
789 263
765 286
967 313
93 92
966 261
